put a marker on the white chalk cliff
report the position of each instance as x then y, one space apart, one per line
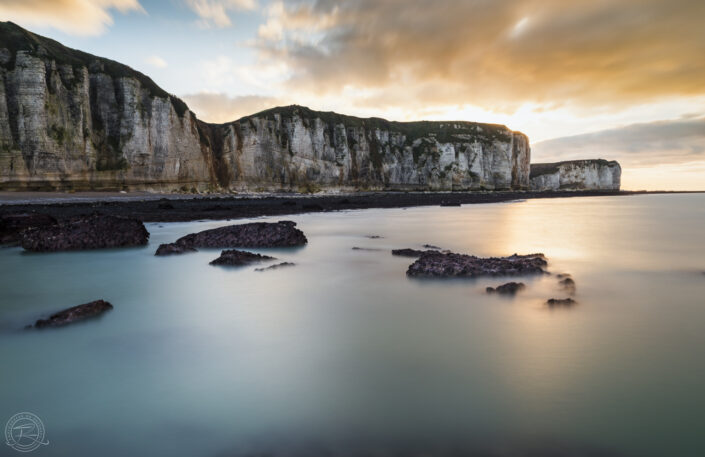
596 174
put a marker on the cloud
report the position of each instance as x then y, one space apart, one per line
671 142
498 54
75 17
214 13
220 108
156 61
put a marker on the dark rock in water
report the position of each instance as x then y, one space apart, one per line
276 266
374 237
75 314
345 201
430 246
567 284
92 232
312 207
436 264
510 288
165 205
357 248
407 252
173 249
12 225
252 235
235 258
449 203
555 302
288 203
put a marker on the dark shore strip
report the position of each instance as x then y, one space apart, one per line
234 207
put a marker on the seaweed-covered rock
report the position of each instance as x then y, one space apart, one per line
173 249
510 288
235 258
560 302
75 314
276 266
92 232
12 225
449 265
252 235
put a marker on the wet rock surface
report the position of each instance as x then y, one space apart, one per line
235 258
408 252
92 232
566 283
358 248
560 302
12 225
434 264
510 288
173 249
75 314
252 235
276 266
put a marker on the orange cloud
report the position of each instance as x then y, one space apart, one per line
75 17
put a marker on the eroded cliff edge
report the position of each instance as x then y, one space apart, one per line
70 120
595 174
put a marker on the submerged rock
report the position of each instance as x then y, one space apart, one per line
12 225
276 266
252 235
556 302
567 284
235 258
358 248
92 232
510 288
75 314
431 246
173 249
407 252
448 265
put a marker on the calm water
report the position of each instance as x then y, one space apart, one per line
344 354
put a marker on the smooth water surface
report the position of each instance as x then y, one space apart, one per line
344 354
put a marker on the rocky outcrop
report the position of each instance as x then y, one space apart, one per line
173 249
276 266
451 265
12 225
510 288
252 235
92 232
596 174
235 258
75 314
70 120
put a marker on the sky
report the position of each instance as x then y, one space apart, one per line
622 80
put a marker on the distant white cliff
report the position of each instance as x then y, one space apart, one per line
595 174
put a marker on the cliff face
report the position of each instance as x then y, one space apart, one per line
576 175
70 120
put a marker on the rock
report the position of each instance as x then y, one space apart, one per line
558 302
449 203
12 225
165 205
448 265
252 235
92 232
430 246
374 237
596 174
235 258
75 314
407 252
312 207
173 249
357 248
510 288
276 266
567 284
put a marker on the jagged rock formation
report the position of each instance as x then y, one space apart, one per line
70 120
576 175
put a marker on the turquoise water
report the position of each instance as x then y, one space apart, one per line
343 354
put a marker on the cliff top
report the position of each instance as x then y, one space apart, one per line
538 169
442 130
14 38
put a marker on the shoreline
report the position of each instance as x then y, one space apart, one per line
183 207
